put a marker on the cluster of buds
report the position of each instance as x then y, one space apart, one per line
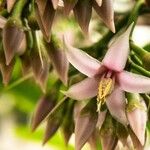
115 112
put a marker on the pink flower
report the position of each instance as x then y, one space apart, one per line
106 79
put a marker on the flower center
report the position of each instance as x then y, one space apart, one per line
105 88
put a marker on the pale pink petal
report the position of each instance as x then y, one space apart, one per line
55 3
81 60
117 54
85 89
2 21
99 2
10 4
106 12
101 118
137 119
133 83
116 104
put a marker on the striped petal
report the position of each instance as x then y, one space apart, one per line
85 89
133 83
117 54
116 105
81 60
106 12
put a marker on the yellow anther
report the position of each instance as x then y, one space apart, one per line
105 88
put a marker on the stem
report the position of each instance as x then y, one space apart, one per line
139 68
17 10
138 50
19 81
146 97
135 58
135 12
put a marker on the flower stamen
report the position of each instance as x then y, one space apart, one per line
104 89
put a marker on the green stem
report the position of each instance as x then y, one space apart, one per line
135 12
139 68
17 10
102 43
146 97
138 50
16 83
135 58
29 37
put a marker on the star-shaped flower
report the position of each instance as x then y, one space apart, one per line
107 79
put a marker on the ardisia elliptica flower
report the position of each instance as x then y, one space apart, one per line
106 79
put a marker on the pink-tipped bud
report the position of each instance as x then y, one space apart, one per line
137 116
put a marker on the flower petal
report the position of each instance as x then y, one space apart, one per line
101 118
55 3
117 54
2 21
10 4
81 60
116 105
106 12
99 2
138 119
133 83
83 90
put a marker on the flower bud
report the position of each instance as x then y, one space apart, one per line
6 70
45 15
54 121
85 124
58 59
107 134
13 36
83 11
137 116
68 123
44 106
122 133
68 6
